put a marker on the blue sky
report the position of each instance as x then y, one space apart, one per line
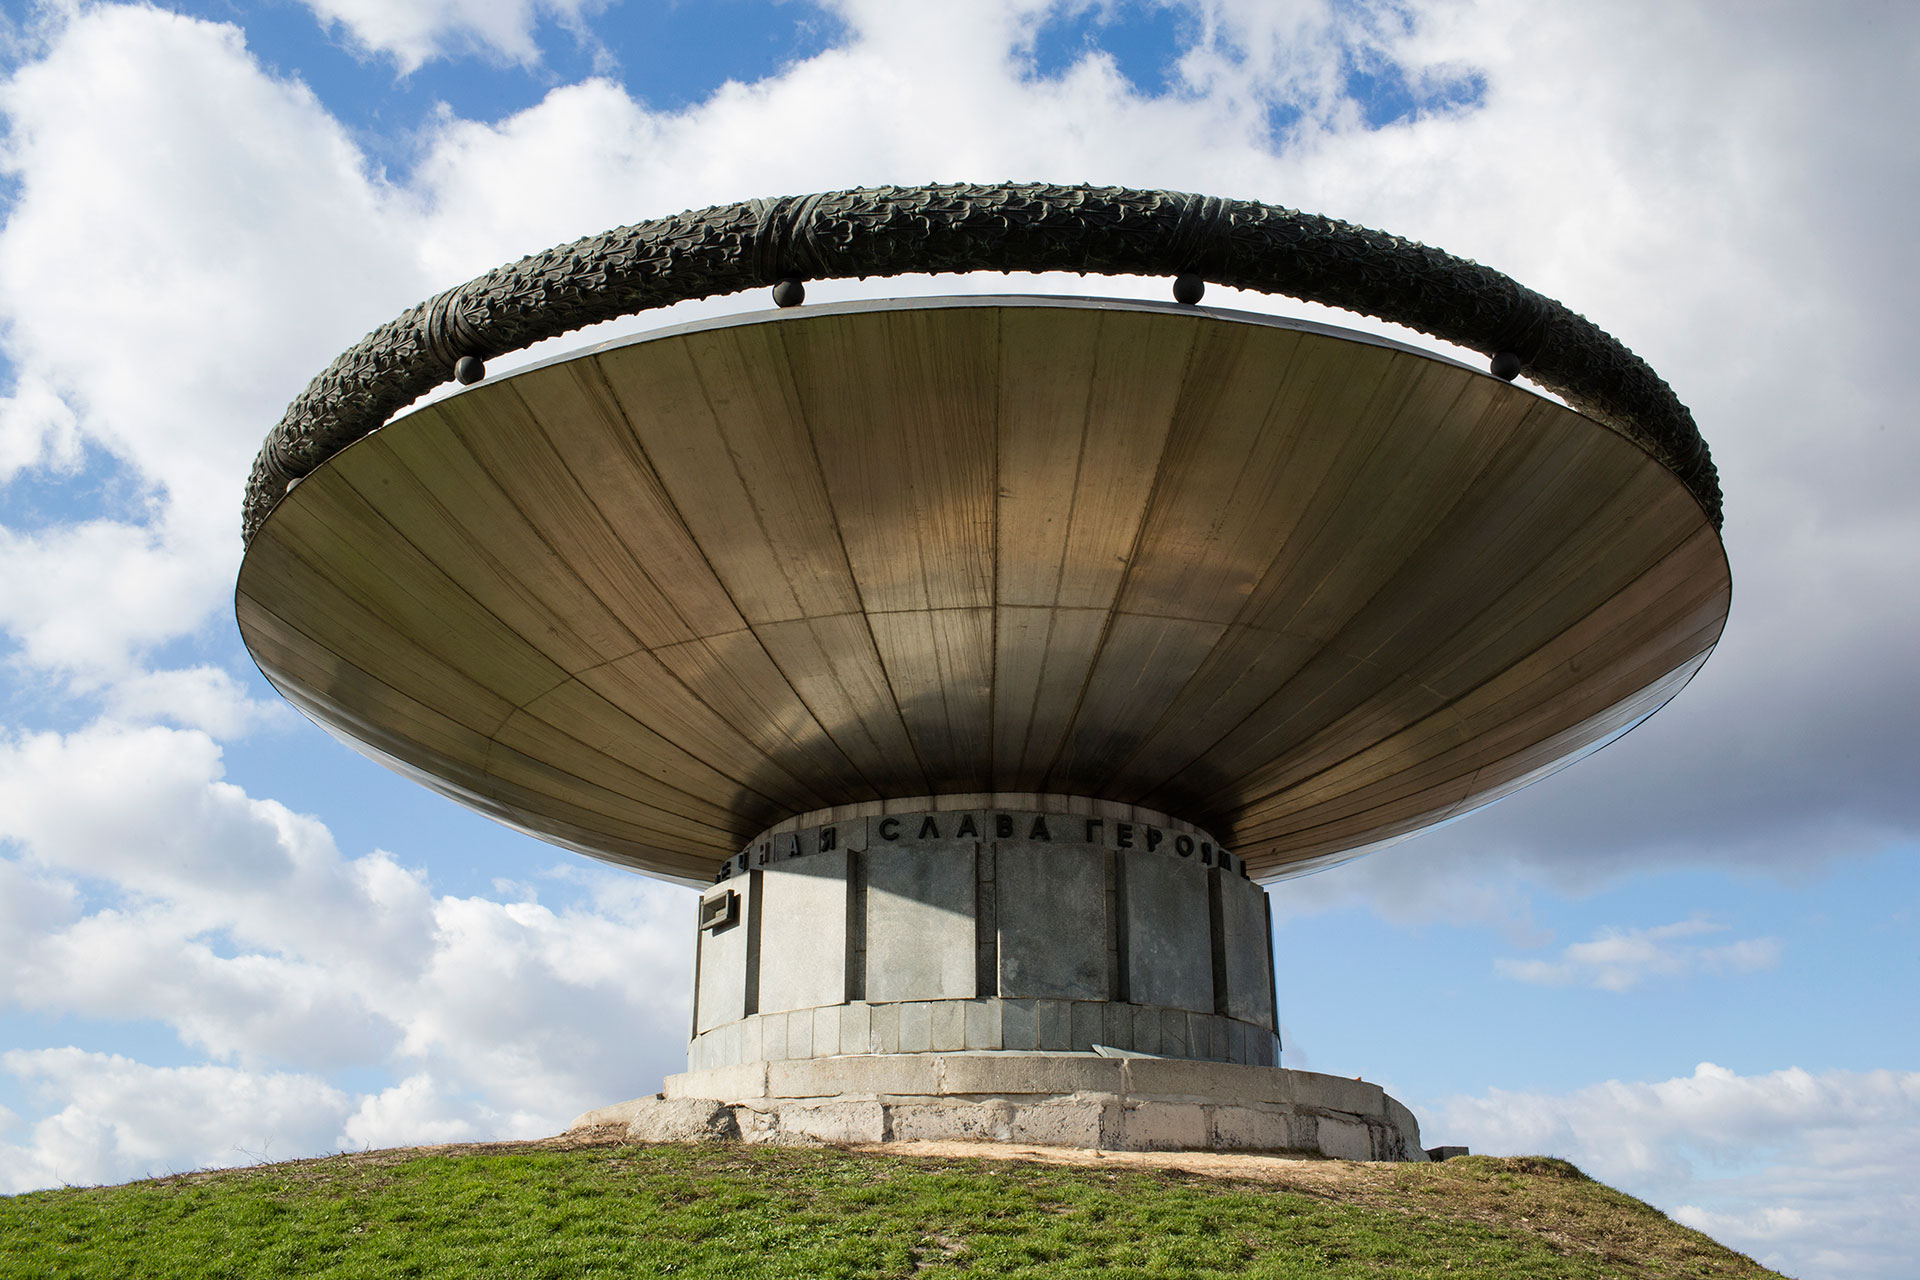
221 933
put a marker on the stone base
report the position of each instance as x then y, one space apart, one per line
1074 1100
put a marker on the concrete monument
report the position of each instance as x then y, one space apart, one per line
981 658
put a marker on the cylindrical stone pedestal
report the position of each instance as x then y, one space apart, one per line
984 923
1006 968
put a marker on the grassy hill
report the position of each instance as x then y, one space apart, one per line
577 1207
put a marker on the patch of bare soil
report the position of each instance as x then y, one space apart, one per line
1303 1171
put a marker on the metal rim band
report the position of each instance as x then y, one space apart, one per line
887 231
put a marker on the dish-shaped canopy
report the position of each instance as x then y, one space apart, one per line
1308 589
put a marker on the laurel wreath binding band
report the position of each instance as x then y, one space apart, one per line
886 231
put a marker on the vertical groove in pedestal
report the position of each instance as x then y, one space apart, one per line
986 924
856 925
755 894
1273 980
1217 937
1117 953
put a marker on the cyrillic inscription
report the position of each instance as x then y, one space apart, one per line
920 828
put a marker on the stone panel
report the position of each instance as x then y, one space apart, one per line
720 996
803 932
856 1029
773 1037
1052 915
1017 1026
920 931
1053 1024
916 1027
1169 950
826 1031
1243 919
983 1024
886 1028
1087 1025
949 1025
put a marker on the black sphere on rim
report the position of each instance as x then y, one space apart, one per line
790 292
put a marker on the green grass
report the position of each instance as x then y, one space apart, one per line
731 1211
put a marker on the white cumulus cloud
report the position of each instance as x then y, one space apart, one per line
412 32
1622 959
144 886
1811 1173
119 1119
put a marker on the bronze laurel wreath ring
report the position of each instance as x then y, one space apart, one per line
887 231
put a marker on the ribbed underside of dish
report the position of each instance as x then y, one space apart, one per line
1307 589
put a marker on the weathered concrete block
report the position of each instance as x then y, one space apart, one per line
800 1033
1050 904
1250 1129
1163 1126
920 928
1014 1074
1214 1081
1169 951
835 1121
803 932
1344 1138
682 1120
617 1113
732 1083
1337 1093
1070 1099
1060 1124
988 1121
1407 1127
758 1124
860 1075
